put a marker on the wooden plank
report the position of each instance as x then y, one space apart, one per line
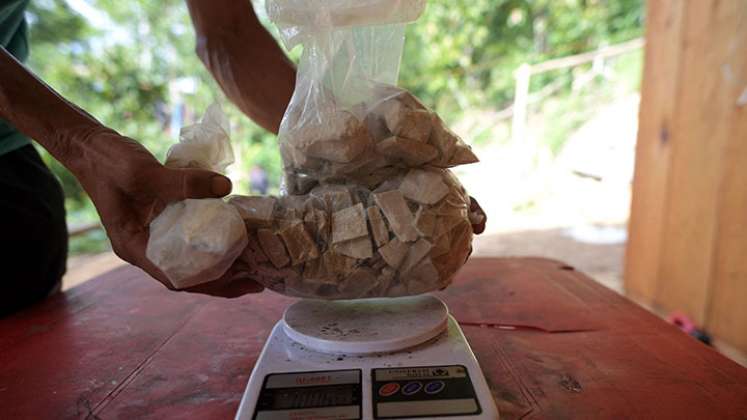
68 360
576 60
225 338
653 149
727 309
699 140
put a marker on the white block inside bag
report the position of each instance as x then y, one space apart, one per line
196 241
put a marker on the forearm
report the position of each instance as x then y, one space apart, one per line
244 58
36 110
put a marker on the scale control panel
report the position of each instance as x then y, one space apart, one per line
396 393
433 391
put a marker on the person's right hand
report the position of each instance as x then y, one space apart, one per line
129 188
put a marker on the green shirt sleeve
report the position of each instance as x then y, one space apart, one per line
14 38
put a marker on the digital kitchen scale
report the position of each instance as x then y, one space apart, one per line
394 358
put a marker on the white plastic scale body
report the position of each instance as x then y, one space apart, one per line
400 358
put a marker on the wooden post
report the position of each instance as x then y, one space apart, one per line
521 99
687 247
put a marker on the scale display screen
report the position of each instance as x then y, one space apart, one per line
310 395
323 396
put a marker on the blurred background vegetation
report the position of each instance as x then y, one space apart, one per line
132 65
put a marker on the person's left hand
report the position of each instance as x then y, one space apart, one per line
474 207
129 188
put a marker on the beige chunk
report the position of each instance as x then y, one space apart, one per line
299 243
417 252
388 185
340 140
394 93
378 226
442 245
339 151
375 178
291 155
315 272
423 278
411 152
349 223
462 156
290 210
377 264
253 253
409 100
425 187
459 240
445 224
397 290
287 274
317 221
394 252
273 248
393 204
359 283
299 184
338 263
357 248
391 111
335 197
255 210
453 205
386 277
425 222
414 124
444 140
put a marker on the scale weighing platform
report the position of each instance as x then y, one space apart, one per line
401 358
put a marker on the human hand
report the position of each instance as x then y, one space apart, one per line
129 188
478 224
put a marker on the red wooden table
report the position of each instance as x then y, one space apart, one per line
121 346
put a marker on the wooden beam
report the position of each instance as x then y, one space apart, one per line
687 248
700 139
653 149
727 311
588 57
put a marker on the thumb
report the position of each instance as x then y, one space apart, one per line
180 184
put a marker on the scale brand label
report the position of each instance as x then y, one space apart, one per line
335 377
435 372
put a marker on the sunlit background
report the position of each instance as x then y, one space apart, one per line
546 92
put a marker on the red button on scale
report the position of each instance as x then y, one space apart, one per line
387 390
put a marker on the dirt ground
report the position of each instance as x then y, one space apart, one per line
601 262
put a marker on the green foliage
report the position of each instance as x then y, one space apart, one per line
567 111
92 242
122 71
461 54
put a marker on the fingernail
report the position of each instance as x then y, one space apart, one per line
220 185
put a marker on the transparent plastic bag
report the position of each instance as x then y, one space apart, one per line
344 241
369 207
204 145
346 120
196 241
